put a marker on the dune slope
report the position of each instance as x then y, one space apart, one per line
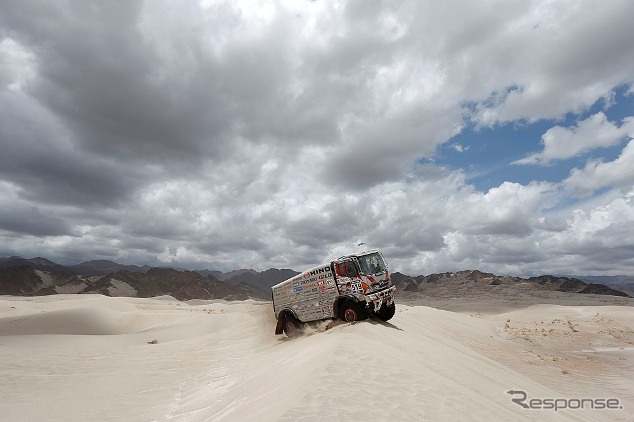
89 357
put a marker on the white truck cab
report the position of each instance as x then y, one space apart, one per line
351 288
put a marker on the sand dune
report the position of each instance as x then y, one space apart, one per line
88 357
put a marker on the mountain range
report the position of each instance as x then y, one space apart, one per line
465 282
40 276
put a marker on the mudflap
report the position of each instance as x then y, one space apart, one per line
279 328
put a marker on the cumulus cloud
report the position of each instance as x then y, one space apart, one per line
599 234
505 210
598 174
594 132
459 148
553 47
227 134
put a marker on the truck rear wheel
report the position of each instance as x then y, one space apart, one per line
292 327
386 312
352 312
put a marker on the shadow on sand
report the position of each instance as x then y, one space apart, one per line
376 321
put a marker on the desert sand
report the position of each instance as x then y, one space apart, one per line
97 358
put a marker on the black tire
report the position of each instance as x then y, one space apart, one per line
352 312
292 327
386 312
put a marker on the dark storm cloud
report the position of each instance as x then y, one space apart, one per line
156 226
113 106
39 156
316 230
130 94
107 82
512 254
30 220
229 134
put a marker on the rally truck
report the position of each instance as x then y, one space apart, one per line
350 288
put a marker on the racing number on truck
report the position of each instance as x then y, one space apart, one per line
353 286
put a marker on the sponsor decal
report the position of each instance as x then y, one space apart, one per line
320 271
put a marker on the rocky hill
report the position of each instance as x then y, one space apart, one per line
182 285
234 273
35 263
102 267
262 280
39 276
471 281
623 283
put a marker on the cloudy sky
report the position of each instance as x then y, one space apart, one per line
451 135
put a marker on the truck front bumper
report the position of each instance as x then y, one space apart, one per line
378 299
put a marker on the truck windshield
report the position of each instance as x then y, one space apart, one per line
371 264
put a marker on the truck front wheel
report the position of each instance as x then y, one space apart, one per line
386 312
352 312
